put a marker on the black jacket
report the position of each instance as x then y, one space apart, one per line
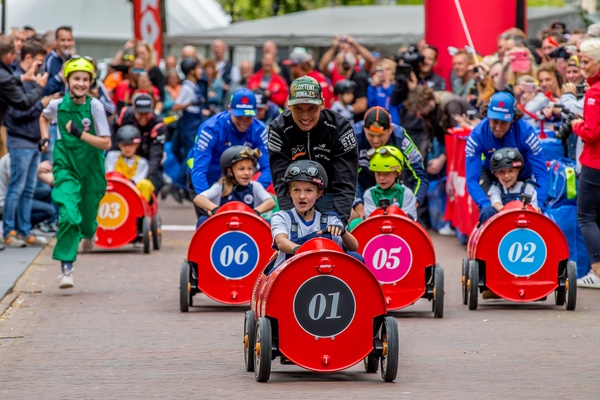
11 94
24 124
332 143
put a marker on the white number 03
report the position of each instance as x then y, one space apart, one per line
109 210
516 252
381 259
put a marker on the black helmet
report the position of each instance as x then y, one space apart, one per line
506 157
188 64
128 134
343 86
306 171
237 153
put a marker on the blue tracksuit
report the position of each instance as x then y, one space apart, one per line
54 64
217 134
400 139
520 135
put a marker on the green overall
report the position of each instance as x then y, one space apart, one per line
79 180
395 194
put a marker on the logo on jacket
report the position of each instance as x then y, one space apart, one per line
87 123
248 199
298 151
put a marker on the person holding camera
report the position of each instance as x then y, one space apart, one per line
588 129
426 75
379 92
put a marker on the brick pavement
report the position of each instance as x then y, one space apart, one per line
119 335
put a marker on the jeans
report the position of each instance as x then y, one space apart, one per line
52 135
588 210
42 207
19 194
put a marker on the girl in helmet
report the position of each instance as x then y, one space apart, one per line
79 179
387 163
306 182
506 164
238 164
127 163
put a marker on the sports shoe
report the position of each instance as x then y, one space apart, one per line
44 229
87 245
447 230
13 240
65 280
33 240
591 280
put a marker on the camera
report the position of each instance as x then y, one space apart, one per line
580 91
566 128
471 114
410 62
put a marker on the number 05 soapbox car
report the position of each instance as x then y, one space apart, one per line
125 217
322 310
519 255
225 256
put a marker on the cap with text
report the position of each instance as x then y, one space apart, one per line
143 103
243 103
501 107
305 90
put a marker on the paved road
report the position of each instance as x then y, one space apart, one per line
119 335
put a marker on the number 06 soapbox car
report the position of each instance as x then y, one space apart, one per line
519 255
225 256
322 310
125 217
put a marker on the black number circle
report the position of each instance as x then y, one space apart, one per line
324 306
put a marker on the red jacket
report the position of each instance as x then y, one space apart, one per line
589 129
326 88
277 86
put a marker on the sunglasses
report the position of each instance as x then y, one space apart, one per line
77 56
310 171
138 70
385 152
248 152
511 155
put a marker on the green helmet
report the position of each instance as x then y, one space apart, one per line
386 159
305 90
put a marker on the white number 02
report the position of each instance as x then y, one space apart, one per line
229 255
515 253
109 210
381 257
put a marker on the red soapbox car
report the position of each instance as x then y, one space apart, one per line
399 252
322 310
519 255
225 256
125 217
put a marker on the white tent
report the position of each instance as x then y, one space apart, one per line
99 26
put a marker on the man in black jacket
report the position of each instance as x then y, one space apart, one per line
154 134
307 131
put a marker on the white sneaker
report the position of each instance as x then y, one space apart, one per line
65 281
447 230
591 280
86 245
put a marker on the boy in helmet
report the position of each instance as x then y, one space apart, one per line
306 182
344 91
387 163
126 162
79 180
238 164
506 164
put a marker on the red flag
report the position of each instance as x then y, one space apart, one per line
147 23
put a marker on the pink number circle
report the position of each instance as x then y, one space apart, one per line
388 257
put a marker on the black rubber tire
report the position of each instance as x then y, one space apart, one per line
156 232
473 284
438 292
465 278
263 350
371 364
571 284
389 361
561 291
146 229
184 280
249 340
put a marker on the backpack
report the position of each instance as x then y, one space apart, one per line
552 147
562 182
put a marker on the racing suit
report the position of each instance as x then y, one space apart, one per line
332 143
482 141
400 139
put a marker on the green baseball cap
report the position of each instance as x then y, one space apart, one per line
305 90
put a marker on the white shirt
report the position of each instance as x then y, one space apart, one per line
98 114
259 194
141 171
495 192
188 94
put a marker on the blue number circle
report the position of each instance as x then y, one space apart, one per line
234 255
522 252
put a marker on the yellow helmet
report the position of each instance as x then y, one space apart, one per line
386 159
79 64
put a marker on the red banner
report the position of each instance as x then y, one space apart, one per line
147 24
461 210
